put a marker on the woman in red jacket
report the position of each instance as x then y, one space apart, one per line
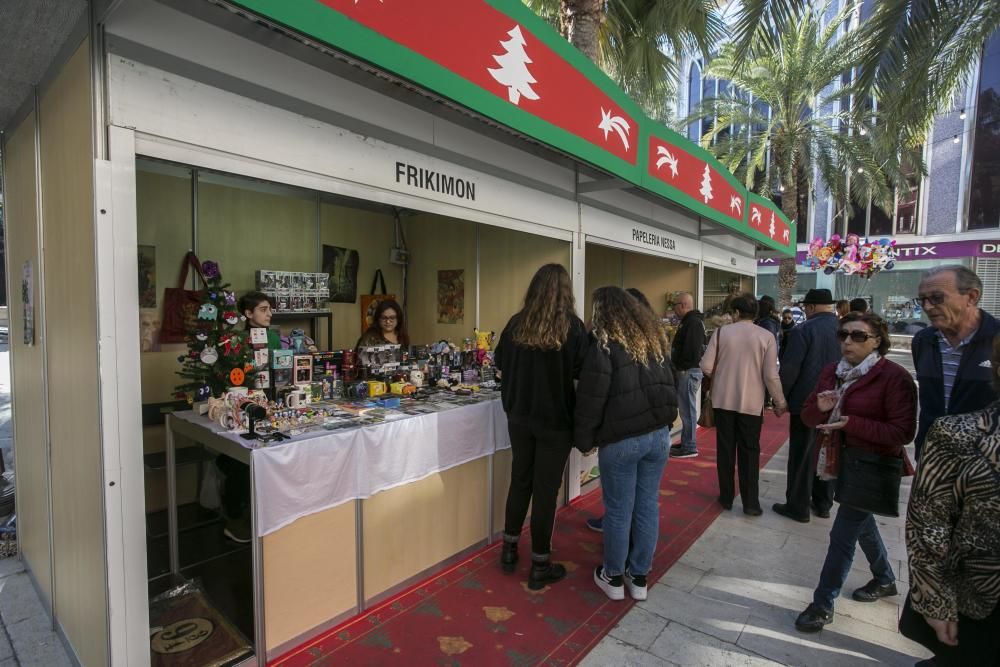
872 403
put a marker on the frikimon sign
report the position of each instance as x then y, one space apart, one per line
499 59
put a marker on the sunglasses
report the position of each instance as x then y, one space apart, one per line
936 299
856 336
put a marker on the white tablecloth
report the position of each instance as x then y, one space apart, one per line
324 469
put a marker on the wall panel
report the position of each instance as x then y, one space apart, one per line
656 277
603 267
67 168
27 363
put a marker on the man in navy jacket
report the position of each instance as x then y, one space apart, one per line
809 347
952 356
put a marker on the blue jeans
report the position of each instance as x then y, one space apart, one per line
630 483
689 397
851 527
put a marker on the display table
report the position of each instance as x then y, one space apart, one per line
343 519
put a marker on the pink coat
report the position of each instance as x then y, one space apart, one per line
747 362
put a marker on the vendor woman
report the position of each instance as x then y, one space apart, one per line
387 327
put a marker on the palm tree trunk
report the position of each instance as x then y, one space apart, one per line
580 21
786 269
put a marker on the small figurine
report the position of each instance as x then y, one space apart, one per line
208 311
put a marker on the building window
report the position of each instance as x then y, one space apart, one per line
694 98
984 182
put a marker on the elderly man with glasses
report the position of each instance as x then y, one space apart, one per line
952 356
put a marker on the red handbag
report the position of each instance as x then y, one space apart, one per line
180 306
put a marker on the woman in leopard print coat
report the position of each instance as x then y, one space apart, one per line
953 533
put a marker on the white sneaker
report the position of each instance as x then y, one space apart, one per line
636 585
612 586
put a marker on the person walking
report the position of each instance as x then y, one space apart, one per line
810 347
871 403
539 354
953 538
687 349
767 316
626 402
952 356
741 359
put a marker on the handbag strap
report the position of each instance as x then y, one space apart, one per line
378 280
190 260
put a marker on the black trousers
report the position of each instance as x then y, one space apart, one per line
236 490
537 465
803 487
738 443
978 643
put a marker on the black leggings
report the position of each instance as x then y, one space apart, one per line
539 459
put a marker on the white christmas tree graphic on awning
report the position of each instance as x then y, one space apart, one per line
771 229
706 185
513 71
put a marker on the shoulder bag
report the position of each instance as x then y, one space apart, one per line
707 417
180 306
868 481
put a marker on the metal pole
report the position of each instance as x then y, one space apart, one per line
257 572
359 551
172 528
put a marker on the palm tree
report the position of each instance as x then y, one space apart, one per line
631 40
793 128
914 55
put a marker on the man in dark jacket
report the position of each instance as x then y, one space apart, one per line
686 350
952 356
809 347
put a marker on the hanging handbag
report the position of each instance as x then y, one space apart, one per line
180 306
370 301
707 417
869 482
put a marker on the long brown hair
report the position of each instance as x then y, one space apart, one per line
620 318
548 310
375 329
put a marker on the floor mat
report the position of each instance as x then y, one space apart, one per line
187 631
474 614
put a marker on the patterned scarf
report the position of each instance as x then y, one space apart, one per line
848 375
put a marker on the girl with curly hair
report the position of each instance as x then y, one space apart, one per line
626 402
539 354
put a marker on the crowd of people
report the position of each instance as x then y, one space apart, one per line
617 384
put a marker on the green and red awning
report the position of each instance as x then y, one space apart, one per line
499 59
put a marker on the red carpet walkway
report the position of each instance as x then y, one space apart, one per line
474 614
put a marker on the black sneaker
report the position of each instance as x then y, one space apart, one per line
873 590
613 587
681 454
813 618
543 574
636 585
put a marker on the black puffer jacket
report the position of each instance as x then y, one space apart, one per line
617 398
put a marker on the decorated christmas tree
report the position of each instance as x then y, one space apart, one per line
219 354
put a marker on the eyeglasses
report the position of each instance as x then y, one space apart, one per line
936 299
391 318
856 336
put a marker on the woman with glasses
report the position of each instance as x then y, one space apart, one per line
387 328
540 353
870 403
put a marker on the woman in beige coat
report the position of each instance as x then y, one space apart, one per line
741 359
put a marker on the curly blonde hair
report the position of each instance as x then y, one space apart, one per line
548 310
621 318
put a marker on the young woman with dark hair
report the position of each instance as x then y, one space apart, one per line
388 327
539 354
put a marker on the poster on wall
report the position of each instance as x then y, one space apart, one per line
147 276
341 264
451 296
28 302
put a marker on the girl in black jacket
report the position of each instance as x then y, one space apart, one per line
539 354
626 402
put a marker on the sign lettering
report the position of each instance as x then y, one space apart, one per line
655 240
435 181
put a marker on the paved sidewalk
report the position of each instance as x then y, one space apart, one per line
26 635
733 597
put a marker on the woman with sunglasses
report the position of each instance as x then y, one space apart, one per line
870 403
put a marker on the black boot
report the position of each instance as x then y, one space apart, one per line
544 573
508 556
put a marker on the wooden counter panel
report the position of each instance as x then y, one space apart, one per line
310 573
416 526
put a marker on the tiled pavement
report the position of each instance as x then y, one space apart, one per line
733 597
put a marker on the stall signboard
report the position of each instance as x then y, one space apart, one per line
499 59
600 226
908 252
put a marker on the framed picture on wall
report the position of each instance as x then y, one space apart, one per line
341 265
451 296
